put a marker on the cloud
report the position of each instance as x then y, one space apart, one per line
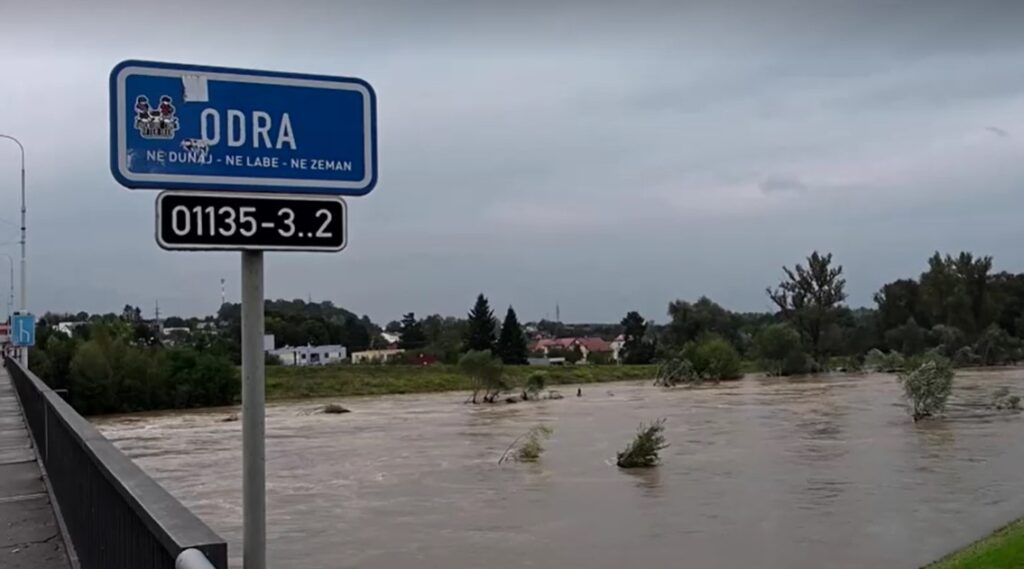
609 158
782 184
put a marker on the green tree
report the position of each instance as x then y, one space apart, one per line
175 322
948 339
412 336
199 379
996 347
512 342
714 358
775 345
131 313
444 336
908 339
480 332
485 372
898 302
636 349
691 321
1008 301
809 299
955 292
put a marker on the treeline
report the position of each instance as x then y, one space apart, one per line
447 338
300 323
110 365
957 308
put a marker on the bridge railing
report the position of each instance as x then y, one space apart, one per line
116 516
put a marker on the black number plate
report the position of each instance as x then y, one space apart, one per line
200 220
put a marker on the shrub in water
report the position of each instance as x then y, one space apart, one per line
927 387
528 446
642 451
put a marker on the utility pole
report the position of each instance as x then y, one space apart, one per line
223 296
159 328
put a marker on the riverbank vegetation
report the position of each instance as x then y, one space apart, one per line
354 380
1004 549
112 367
958 308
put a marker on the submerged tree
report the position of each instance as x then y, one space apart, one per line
534 386
927 387
528 446
485 371
643 451
775 345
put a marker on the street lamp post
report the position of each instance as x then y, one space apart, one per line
23 290
10 299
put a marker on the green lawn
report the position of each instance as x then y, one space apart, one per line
1002 550
347 380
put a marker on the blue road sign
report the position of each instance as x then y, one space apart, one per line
23 330
212 128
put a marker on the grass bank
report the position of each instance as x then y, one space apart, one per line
1003 549
347 380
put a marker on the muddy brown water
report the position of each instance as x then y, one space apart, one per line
815 473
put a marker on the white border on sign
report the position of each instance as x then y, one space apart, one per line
259 196
122 131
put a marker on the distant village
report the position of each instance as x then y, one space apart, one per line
545 350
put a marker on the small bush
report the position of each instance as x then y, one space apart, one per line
527 447
797 363
714 358
927 387
534 385
878 361
1003 401
675 371
643 450
775 346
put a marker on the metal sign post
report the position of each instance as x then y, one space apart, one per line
254 507
222 134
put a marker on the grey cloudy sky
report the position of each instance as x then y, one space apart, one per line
604 157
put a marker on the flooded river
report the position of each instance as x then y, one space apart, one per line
767 473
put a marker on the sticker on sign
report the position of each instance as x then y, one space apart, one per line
219 129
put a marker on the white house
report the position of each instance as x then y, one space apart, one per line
310 355
374 356
68 328
617 344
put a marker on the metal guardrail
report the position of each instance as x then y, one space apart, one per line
116 516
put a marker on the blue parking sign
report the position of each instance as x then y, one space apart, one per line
206 128
23 330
